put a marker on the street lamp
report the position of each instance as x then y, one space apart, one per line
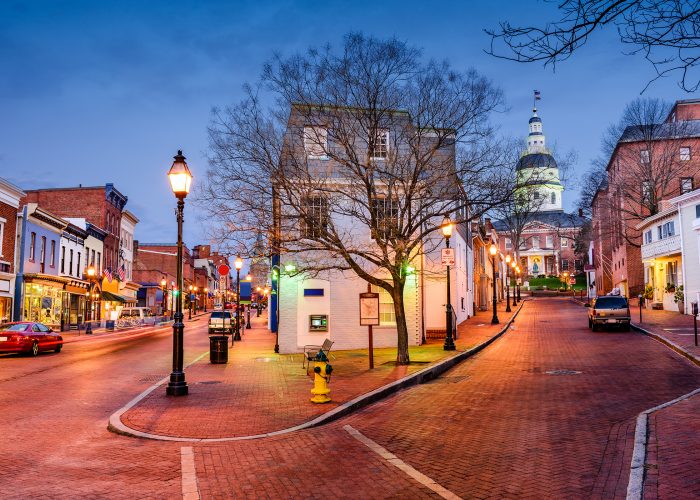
180 181
190 304
517 283
493 250
514 266
88 315
206 298
164 288
449 345
238 264
566 280
507 283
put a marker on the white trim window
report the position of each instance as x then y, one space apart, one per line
2 233
550 241
380 149
685 153
387 315
314 222
509 244
564 242
644 156
316 142
686 185
386 214
647 237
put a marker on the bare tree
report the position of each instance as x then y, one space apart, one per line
350 159
666 32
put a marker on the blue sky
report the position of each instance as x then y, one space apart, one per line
95 92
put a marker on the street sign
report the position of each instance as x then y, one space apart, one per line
572 281
223 270
448 257
369 309
222 282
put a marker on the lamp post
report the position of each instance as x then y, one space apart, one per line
508 261
566 280
493 250
196 299
206 298
513 266
88 314
164 288
449 341
180 180
238 264
517 271
173 297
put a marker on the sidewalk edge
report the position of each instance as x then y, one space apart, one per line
420 377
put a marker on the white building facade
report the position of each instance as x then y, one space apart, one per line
688 206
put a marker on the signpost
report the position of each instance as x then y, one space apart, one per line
572 281
369 316
448 257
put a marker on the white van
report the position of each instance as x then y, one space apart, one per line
140 313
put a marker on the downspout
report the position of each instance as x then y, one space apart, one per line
422 296
19 278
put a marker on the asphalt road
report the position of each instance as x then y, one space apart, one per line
547 411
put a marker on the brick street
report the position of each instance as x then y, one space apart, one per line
547 411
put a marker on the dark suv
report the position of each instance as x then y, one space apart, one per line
609 310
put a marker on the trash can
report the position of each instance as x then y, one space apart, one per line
218 349
109 324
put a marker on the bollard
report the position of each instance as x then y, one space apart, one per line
694 310
641 303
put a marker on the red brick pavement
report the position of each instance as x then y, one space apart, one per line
259 392
676 327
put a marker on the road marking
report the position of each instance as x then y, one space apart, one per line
400 464
189 474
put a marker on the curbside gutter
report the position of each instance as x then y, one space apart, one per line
420 377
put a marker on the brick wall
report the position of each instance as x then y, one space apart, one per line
151 267
9 213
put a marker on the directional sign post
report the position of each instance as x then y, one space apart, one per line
448 257
369 315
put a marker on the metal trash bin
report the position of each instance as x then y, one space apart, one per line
218 349
109 324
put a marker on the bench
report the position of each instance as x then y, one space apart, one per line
310 352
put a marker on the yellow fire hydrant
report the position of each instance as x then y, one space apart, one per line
322 375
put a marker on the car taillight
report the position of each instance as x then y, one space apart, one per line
594 311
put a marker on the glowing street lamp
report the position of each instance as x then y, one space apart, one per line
493 250
238 264
449 345
91 272
180 182
508 260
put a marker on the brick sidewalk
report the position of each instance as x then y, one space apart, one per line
673 326
259 392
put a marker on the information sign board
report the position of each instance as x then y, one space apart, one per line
448 257
369 309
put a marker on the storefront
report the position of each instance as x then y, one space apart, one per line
42 301
7 286
74 304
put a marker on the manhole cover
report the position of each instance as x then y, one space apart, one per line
449 380
265 360
562 372
209 382
155 377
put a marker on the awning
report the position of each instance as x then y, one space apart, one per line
113 297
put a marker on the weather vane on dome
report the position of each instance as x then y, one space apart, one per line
536 98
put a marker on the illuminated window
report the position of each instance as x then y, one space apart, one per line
387 316
381 145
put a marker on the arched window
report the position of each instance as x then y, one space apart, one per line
554 198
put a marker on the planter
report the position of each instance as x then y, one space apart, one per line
681 306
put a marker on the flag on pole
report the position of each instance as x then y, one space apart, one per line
121 273
537 95
107 273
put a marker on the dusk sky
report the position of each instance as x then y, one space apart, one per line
96 92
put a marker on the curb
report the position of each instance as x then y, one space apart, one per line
420 377
635 486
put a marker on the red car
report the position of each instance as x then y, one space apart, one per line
29 338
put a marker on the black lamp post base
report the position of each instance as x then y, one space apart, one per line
449 344
177 385
88 329
277 348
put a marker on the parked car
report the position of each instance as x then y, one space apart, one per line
29 338
221 321
609 310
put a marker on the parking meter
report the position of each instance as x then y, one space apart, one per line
641 303
694 310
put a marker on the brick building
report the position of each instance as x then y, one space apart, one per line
651 163
601 255
154 262
10 196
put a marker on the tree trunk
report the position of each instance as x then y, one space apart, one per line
402 357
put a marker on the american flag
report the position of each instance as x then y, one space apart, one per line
121 272
107 273
537 95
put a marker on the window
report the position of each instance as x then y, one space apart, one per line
686 185
666 230
554 198
315 142
536 195
509 244
77 267
92 258
550 241
387 316
386 213
578 265
644 156
2 230
535 242
314 220
32 245
672 273
685 153
564 242
99 262
42 253
647 236
70 264
697 211
52 262
381 145
63 260
646 191
564 264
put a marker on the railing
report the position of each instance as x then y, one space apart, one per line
666 246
